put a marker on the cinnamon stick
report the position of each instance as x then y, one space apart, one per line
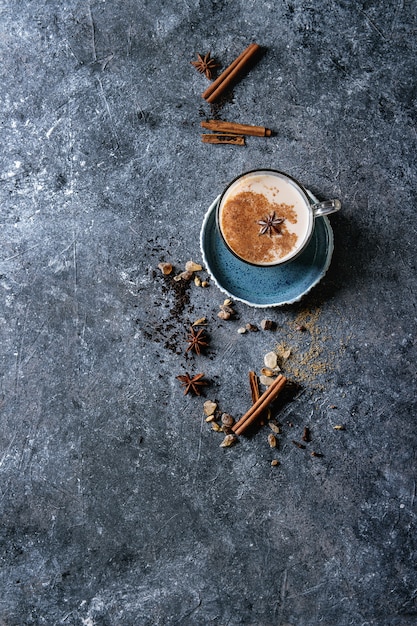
255 393
236 140
260 405
231 73
236 129
254 387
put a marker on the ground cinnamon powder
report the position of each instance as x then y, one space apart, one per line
304 356
239 223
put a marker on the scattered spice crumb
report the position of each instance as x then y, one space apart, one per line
166 268
209 407
202 321
339 427
268 325
272 440
227 420
186 275
271 360
226 310
228 441
266 371
266 380
274 427
190 266
298 444
274 462
306 434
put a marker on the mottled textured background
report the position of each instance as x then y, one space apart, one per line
118 507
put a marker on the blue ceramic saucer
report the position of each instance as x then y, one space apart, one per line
265 286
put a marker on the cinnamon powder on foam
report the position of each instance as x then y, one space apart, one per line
239 223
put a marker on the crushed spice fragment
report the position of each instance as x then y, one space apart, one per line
226 310
272 440
268 325
266 371
274 427
306 434
271 360
184 276
202 321
266 380
191 266
209 407
228 441
227 420
166 268
298 444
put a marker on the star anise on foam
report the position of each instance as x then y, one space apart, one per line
197 340
192 383
270 224
205 64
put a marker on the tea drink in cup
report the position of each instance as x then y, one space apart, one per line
266 217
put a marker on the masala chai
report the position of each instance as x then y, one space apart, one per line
265 217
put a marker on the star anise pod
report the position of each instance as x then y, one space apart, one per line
205 64
192 383
270 224
196 340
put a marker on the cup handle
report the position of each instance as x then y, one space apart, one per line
326 207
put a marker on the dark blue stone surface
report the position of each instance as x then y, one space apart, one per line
117 505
